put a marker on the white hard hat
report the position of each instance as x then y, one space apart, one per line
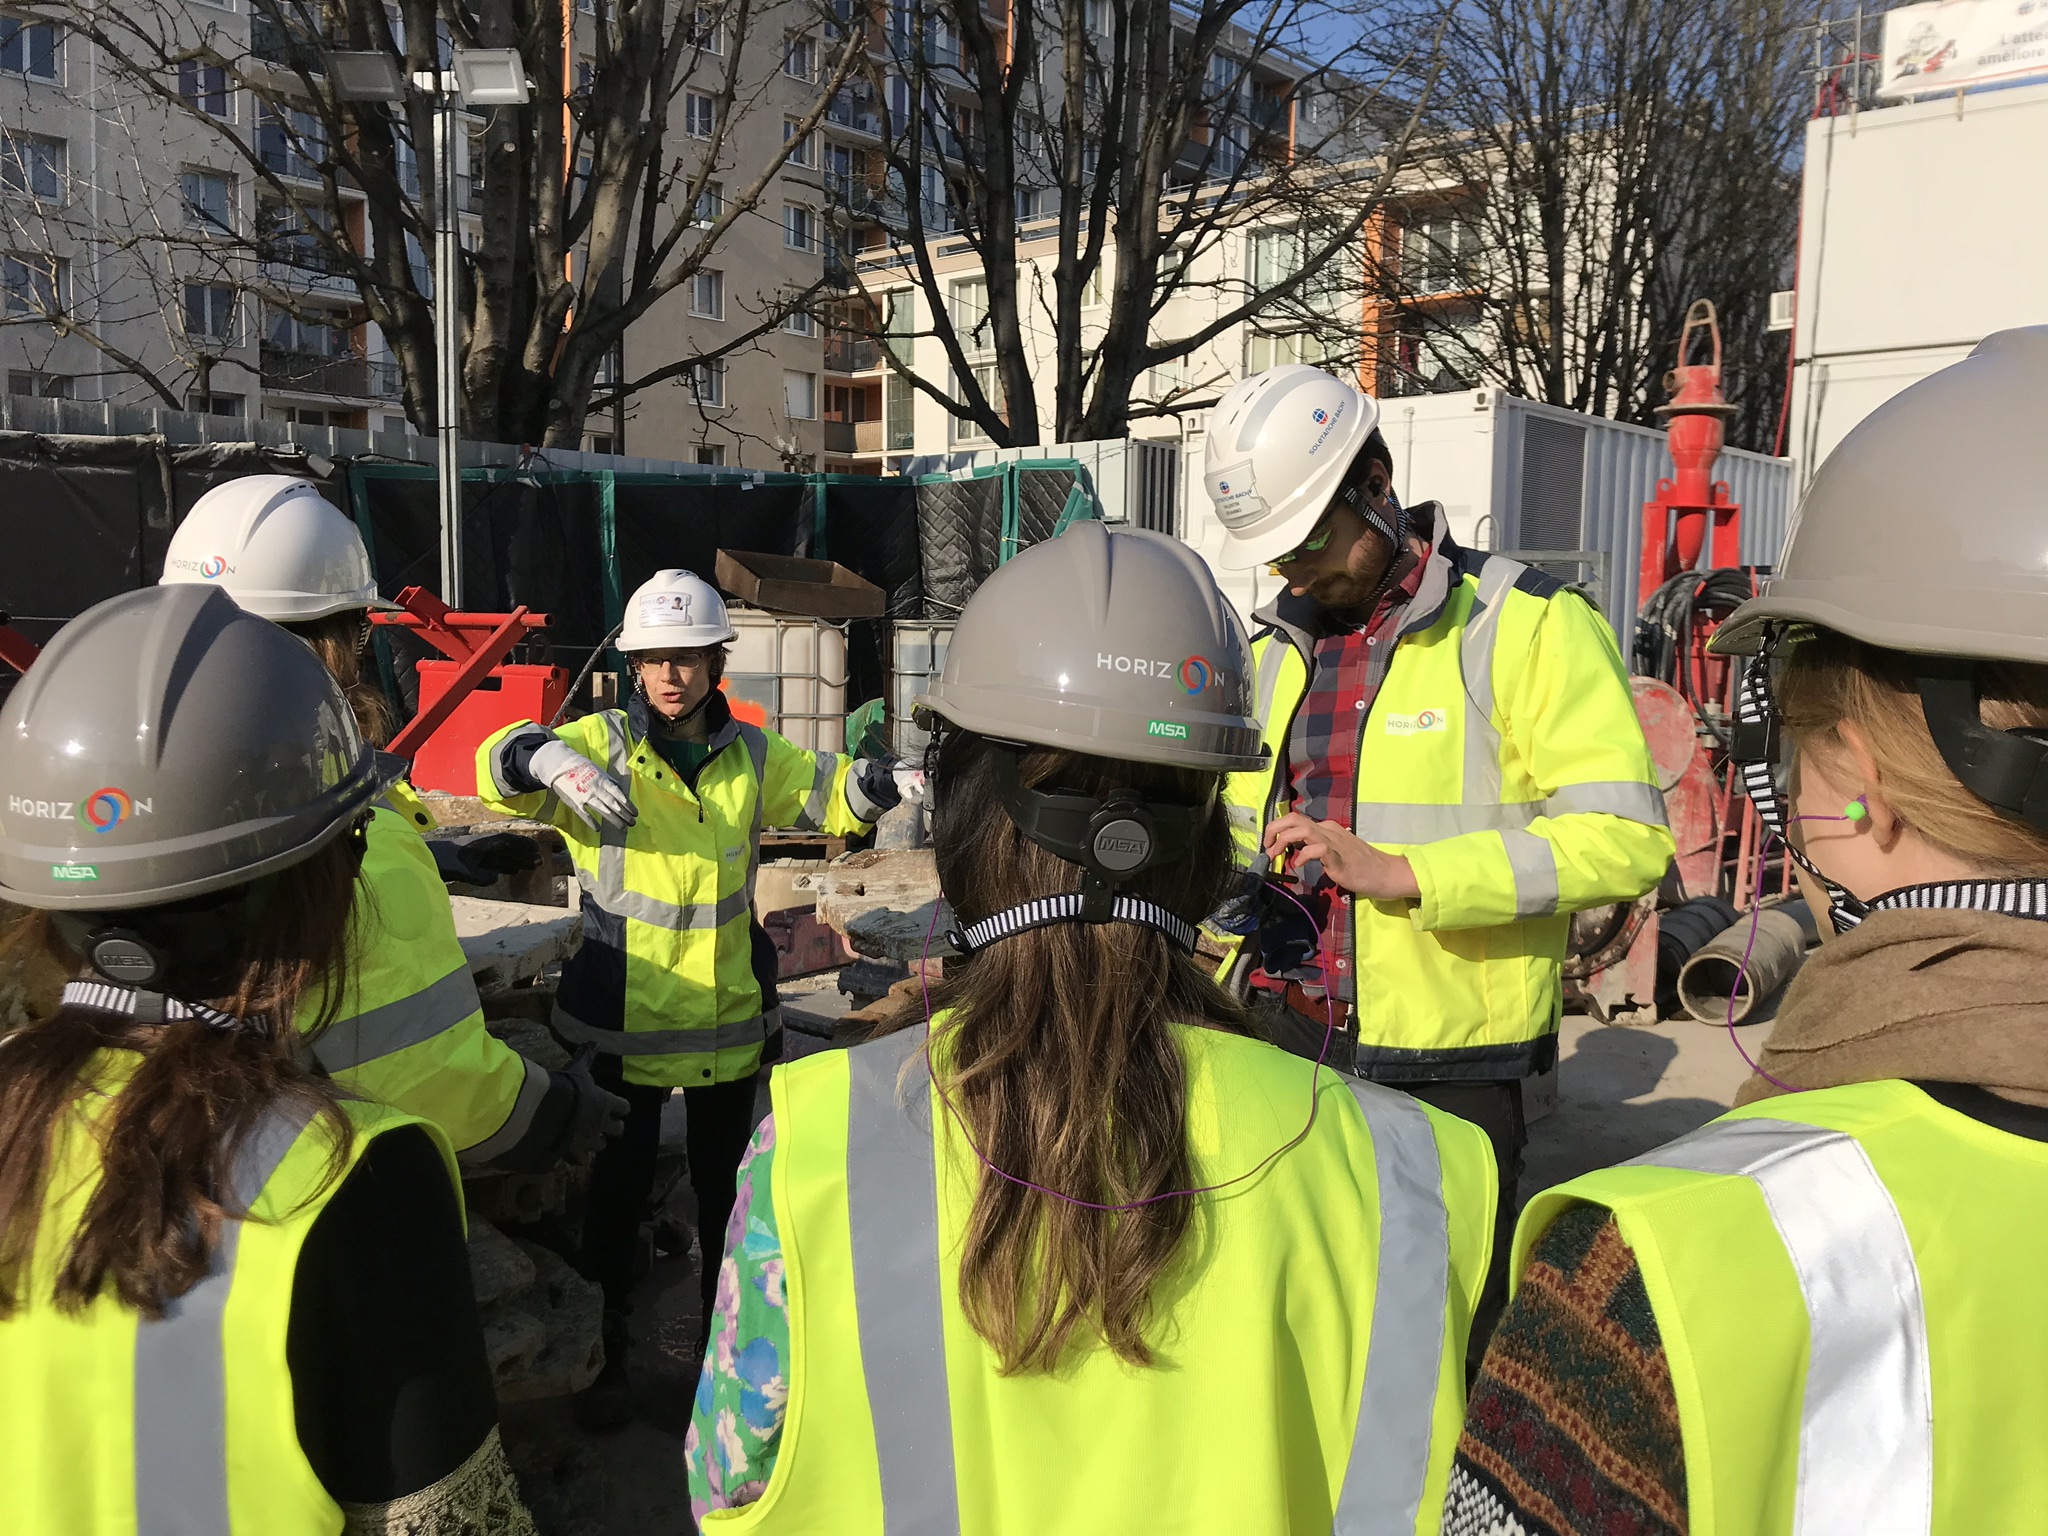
276 546
674 610
1279 445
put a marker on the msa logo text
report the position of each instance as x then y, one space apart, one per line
1137 666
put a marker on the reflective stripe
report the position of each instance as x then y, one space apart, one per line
1534 864
1866 1437
668 1042
1271 659
1475 660
518 1123
812 817
1385 822
181 1400
395 1026
756 742
642 908
893 1213
1619 797
1383 1482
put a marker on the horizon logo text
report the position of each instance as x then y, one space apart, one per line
102 810
212 568
1417 724
1138 666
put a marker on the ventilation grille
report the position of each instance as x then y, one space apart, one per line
1553 483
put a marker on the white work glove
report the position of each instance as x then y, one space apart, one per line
910 784
585 788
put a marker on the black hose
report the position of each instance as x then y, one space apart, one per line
588 667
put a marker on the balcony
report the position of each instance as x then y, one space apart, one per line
852 354
849 110
274 43
853 437
387 380
314 373
302 262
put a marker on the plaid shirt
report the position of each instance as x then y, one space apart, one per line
1345 675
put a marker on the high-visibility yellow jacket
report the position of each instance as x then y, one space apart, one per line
113 1424
1310 1338
665 974
1848 1286
411 1030
1502 756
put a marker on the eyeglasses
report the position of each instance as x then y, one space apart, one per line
681 661
1313 545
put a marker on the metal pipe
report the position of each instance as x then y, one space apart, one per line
1716 972
447 345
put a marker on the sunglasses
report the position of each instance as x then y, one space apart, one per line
1313 545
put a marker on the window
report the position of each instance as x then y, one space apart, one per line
210 311
284 331
707 295
799 227
1440 254
205 88
209 200
1263 352
40 386
28 48
1091 290
707 31
707 383
711 453
214 405
32 166
989 381
1173 264
33 284
899 414
711 202
293 143
700 115
1167 378
803 149
800 57
800 322
1276 256
1442 352
1101 17
799 395
967 303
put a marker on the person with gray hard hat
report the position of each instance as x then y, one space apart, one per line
411 1030
1824 1309
233 1296
1065 1248
1456 768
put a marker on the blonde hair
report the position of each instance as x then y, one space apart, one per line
1831 680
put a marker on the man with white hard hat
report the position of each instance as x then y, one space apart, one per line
1457 769
662 804
411 1031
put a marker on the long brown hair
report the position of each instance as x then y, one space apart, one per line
1831 680
168 1143
342 640
1059 1055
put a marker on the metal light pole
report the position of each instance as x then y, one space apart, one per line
477 77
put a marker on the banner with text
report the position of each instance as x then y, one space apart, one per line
1953 44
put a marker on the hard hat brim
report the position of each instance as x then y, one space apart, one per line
1250 553
2012 625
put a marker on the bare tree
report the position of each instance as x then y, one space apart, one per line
1592 169
1085 147
591 204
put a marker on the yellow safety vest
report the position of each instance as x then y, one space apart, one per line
1310 1338
411 1032
1503 757
672 896
1848 1284
112 1424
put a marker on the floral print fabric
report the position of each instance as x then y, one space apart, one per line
736 1422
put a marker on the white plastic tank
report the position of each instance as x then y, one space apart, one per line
917 655
795 669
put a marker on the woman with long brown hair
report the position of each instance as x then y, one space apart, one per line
1067 1249
232 1297
1824 1311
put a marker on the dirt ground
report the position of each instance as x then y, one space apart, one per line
1621 1091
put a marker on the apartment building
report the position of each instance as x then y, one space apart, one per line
187 280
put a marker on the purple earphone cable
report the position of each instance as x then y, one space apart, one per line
1315 1082
1756 912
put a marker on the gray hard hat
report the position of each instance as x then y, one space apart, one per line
1110 642
167 744
1926 530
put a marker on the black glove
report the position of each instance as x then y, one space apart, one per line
453 864
595 1116
505 852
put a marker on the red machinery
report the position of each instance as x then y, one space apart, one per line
1697 413
473 693
16 649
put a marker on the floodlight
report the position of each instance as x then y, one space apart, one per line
365 76
490 77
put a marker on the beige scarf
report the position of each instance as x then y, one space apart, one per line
1942 996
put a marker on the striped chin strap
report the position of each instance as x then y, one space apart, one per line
153 1007
1044 911
1760 753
